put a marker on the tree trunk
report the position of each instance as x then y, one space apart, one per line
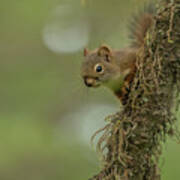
131 142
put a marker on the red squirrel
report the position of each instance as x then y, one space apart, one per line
115 69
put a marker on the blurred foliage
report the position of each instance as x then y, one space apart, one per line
40 87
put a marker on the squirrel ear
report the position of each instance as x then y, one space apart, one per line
104 50
86 51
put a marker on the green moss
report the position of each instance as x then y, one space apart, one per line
131 143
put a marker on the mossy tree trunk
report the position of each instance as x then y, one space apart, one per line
131 141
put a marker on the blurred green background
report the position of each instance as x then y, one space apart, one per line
47 115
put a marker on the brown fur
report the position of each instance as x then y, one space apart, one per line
115 63
139 33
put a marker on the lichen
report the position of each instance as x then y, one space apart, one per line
132 140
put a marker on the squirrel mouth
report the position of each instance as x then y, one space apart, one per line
91 82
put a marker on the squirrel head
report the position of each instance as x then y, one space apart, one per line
99 67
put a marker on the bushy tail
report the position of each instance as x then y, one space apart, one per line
140 24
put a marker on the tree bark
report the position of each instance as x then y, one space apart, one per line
131 143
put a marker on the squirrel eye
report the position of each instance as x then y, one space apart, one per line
98 68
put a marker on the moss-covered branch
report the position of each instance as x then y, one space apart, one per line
131 142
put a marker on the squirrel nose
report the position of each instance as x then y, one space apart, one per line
88 82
